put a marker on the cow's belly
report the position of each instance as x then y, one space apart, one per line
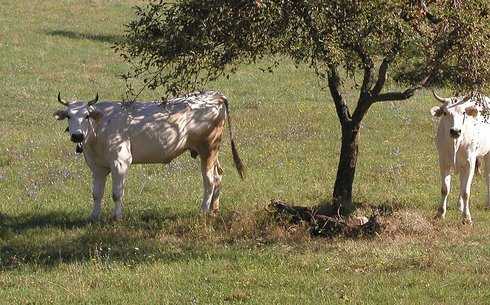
155 152
164 149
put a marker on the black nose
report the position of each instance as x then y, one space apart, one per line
77 137
455 132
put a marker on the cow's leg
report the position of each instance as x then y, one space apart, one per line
208 164
208 150
487 176
99 178
118 172
466 178
445 186
218 174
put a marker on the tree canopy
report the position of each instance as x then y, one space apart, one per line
182 45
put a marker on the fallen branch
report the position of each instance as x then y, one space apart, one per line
324 225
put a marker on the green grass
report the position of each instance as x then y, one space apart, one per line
164 252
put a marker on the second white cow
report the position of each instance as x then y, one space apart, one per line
462 140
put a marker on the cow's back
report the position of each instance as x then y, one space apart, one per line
159 132
156 132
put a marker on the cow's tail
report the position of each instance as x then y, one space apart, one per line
236 158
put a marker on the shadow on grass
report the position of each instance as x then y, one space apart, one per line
52 239
24 222
95 37
145 235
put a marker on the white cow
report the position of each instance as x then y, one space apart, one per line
114 135
463 138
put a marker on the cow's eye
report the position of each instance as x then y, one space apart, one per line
68 117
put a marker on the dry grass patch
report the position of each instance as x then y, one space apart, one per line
408 223
264 226
237 227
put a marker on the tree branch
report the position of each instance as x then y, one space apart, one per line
365 98
427 13
368 63
335 87
397 96
424 10
382 73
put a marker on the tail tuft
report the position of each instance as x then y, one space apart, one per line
236 158
238 162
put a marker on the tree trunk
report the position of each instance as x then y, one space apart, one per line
350 124
342 193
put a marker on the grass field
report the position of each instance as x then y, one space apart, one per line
164 252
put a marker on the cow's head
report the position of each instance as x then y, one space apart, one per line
79 115
453 114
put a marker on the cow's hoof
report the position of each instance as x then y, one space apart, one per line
440 215
467 222
208 214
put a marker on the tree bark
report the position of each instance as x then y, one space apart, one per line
342 193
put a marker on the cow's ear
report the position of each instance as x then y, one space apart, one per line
60 115
436 111
471 111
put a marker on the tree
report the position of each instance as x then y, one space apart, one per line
183 45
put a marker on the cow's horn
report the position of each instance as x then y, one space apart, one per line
90 103
440 99
62 101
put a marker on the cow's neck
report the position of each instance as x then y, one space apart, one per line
91 136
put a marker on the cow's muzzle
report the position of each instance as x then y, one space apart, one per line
455 133
77 137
